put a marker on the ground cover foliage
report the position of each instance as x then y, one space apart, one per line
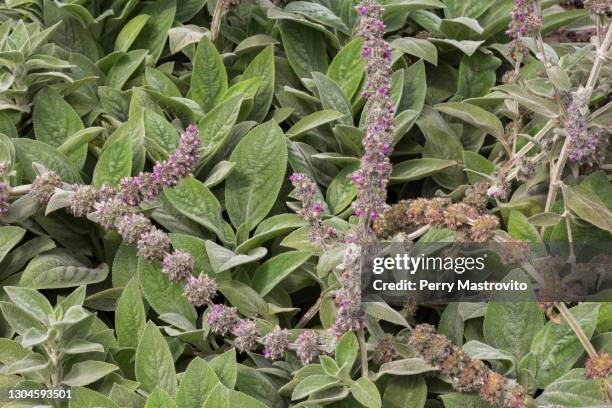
187 186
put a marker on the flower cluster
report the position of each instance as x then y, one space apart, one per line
222 318
599 366
308 349
178 265
466 218
385 352
43 186
180 164
348 297
246 333
312 209
466 374
275 343
372 178
82 200
599 7
525 18
4 198
584 145
201 290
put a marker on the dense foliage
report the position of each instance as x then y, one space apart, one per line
186 187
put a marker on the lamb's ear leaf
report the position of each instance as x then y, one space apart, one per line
209 78
160 399
226 368
114 164
154 366
163 295
556 347
130 318
196 384
252 188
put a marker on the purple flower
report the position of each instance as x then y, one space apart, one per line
372 178
43 186
182 162
177 265
129 191
4 198
222 318
153 245
276 343
312 208
201 290
109 212
131 227
82 200
308 347
525 18
149 188
246 333
586 145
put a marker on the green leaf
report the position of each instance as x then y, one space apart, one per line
466 46
209 78
196 384
415 88
79 139
31 302
30 151
346 350
418 169
342 190
383 311
546 219
154 365
457 400
219 173
262 66
520 228
195 201
134 130
466 8
418 47
114 164
60 270
475 116
9 237
332 97
405 392
215 127
535 103
572 390
512 320
270 228
124 67
163 295
312 384
366 393
252 188
477 74
257 385
312 121
226 368
556 347
87 372
588 206
54 121
130 318
318 13
347 68
86 398
305 48
277 268
153 35
130 31
160 399
483 351
407 367
244 298
19 320
223 259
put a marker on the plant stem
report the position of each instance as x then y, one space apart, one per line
314 309
363 351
